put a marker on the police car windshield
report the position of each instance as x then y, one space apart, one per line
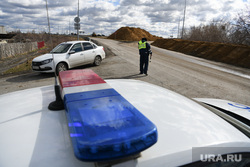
241 123
62 48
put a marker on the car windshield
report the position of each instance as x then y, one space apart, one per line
62 48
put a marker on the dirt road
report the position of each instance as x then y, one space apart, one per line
189 76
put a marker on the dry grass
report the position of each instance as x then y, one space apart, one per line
19 68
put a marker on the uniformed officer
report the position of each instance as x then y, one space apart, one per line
144 51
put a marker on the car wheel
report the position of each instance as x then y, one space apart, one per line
97 60
61 67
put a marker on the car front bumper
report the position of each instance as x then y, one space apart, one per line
47 68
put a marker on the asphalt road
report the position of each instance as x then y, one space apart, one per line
187 75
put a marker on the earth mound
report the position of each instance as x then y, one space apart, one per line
237 55
132 34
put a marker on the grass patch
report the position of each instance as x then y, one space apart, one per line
26 66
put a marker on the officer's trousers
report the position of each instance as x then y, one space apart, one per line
144 63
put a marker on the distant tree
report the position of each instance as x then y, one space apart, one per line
19 36
93 34
237 31
216 31
241 30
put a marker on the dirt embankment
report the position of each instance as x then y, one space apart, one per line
132 34
238 55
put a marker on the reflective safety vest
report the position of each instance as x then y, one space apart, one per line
142 45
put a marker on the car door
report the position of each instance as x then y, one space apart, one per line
89 52
76 56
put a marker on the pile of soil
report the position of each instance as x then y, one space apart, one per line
132 34
238 55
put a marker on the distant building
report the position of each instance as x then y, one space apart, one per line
2 30
4 35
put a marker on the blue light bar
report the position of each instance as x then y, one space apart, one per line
104 126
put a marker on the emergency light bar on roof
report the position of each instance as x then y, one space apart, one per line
103 125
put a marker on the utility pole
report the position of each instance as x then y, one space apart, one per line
48 15
178 33
184 19
69 26
78 23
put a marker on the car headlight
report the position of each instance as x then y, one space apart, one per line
46 61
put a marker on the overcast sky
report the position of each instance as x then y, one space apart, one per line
159 17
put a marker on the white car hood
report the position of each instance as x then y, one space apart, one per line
43 57
32 135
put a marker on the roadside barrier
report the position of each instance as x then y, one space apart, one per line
13 49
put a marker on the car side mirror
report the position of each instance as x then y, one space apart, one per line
72 52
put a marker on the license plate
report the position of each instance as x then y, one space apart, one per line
35 67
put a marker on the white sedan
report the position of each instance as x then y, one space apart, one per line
189 133
68 55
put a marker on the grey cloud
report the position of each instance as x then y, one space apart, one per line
91 12
94 17
59 3
109 19
129 2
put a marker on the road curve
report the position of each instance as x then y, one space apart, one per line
187 75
